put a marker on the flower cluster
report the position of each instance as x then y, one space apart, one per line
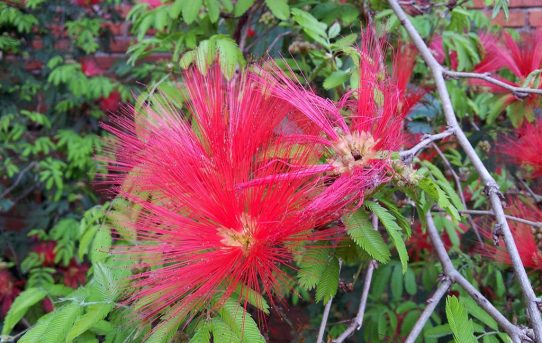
525 150
528 238
244 173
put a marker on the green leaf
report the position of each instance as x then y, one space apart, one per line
20 306
241 6
394 230
213 10
335 79
360 229
329 281
190 10
252 297
101 245
279 8
396 283
477 312
410 282
165 331
202 333
311 26
240 322
229 55
459 321
35 334
94 314
61 323
312 266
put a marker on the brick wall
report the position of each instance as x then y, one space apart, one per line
524 14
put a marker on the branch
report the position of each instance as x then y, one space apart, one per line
358 320
17 180
325 316
408 155
449 270
428 311
516 219
492 188
520 92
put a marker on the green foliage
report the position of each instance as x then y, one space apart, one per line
360 229
459 322
49 134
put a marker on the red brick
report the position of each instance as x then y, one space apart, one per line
517 18
525 3
535 17
105 61
479 4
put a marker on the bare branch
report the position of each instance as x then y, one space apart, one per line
358 320
17 180
325 316
408 155
520 92
428 311
492 188
513 218
449 270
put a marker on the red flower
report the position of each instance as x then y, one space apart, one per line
152 3
525 150
9 290
46 251
75 274
526 237
90 68
521 59
202 235
111 103
420 244
437 48
357 150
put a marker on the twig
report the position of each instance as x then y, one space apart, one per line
428 311
325 316
17 180
449 270
513 218
459 190
537 198
358 320
408 155
518 91
492 188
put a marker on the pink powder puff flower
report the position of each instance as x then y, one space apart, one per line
528 239
525 150
356 149
202 236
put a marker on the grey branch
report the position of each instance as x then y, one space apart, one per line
513 331
491 186
512 218
325 316
358 320
408 155
518 91
428 311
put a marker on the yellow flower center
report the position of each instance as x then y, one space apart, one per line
243 239
353 150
